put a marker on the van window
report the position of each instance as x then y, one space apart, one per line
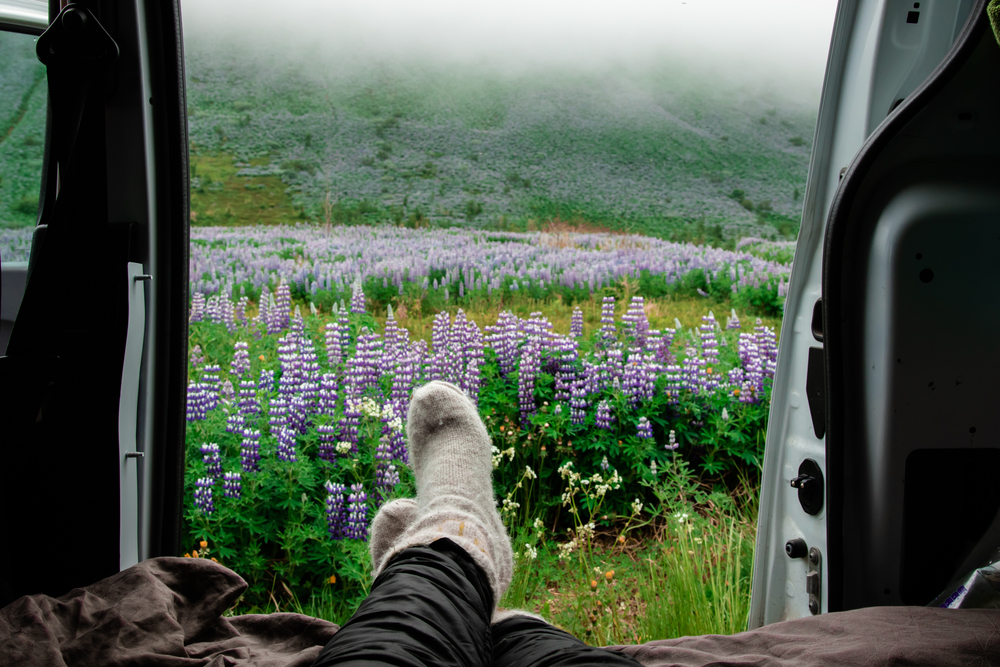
23 96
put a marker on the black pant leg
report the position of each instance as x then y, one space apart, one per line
523 641
431 605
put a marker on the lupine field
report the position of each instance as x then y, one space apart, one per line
300 376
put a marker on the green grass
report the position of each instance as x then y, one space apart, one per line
668 578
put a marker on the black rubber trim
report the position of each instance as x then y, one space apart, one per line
166 46
833 298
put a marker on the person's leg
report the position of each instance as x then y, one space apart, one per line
431 605
521 639
433 598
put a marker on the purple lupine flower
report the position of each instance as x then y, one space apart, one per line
250 450
393 342
362 372
503 338
635 322
241 359
297 326
210 386
203 494
386 479
240 312
734 320
327 441
232 485
286 445
604 464
235 421
327 396
709 344
357 297
350 422
402 382
693 371
226 391
606 334
262 305
527 374
357 513
576 323
672 443
267 381
198 400
344 325
283 307
334 354
197 308
279 412
336 513
197 357
604 419
578 400
644 429
213 463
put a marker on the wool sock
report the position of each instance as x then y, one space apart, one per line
450 453
389 524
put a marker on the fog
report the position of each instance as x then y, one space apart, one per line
774 47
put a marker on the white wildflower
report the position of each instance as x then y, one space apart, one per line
343 447
369 408
529 473
636 506
725 415
530 552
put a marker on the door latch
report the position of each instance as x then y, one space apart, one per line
810 486
796 548
814 580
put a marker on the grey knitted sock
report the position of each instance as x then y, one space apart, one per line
450 454
389 524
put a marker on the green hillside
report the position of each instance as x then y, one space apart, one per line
280 137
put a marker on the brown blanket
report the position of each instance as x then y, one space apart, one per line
168 612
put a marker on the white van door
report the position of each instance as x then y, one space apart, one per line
882 441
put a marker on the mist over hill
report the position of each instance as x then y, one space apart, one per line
668 144
650 148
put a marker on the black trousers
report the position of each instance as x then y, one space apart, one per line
431 606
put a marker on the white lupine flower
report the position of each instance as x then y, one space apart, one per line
725 415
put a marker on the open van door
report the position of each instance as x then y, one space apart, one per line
880 472
92 384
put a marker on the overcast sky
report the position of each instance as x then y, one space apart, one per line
779 44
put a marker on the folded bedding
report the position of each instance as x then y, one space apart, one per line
169 612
